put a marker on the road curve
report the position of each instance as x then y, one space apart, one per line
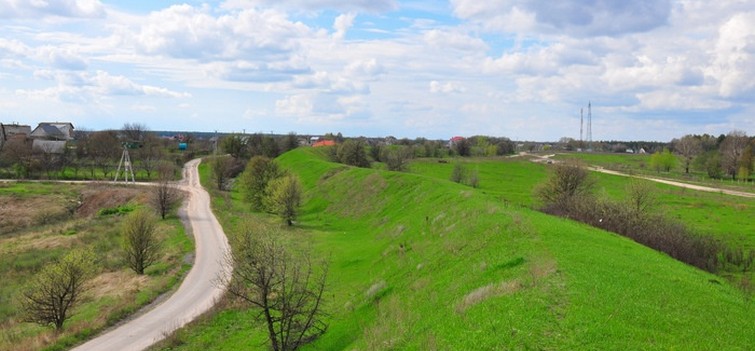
197 292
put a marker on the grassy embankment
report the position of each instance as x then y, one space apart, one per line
726 217
36 228
419 262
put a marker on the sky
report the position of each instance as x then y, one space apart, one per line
524 69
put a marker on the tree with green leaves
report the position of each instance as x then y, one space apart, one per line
397 157
284 197
53 292
235 145
140 242
663 161
259 172
354 153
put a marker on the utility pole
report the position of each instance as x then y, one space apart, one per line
581 124
589 125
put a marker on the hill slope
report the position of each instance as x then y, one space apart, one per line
421 263
424 263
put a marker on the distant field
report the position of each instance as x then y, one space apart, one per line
514 180
421 263
36 228
640 164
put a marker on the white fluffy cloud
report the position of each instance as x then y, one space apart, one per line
82 86
734 63
503 67
59 8
342 24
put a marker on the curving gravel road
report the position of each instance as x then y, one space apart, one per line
197 292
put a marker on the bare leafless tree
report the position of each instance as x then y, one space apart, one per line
140 241
56 289
568 181
731 151
221 167
103 149
17 152
164 195
689 147
287 289
134 131
642 197
149 154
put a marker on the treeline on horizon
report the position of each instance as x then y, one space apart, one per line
96 154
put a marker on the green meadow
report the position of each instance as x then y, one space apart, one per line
418 262
639 164
514 179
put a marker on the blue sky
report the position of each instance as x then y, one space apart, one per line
653 69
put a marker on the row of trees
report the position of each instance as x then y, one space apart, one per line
244 147
360 152
729 155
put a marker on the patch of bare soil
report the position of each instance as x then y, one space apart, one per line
97 197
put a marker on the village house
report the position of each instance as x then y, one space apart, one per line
60 131
13 131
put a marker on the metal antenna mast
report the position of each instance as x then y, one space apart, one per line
581 124
589 126
126 163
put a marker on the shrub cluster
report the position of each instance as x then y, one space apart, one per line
569 193
650 229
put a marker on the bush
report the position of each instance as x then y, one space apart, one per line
354 153
397 158
568 181
567 193
459 173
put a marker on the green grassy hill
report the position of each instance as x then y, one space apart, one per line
421 263
512 180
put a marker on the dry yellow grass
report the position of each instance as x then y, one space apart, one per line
117 283
488 291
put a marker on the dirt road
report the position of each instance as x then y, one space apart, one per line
547 158
679 184
196 294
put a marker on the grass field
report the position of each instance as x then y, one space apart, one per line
421 263
36 228
514 179
640 164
